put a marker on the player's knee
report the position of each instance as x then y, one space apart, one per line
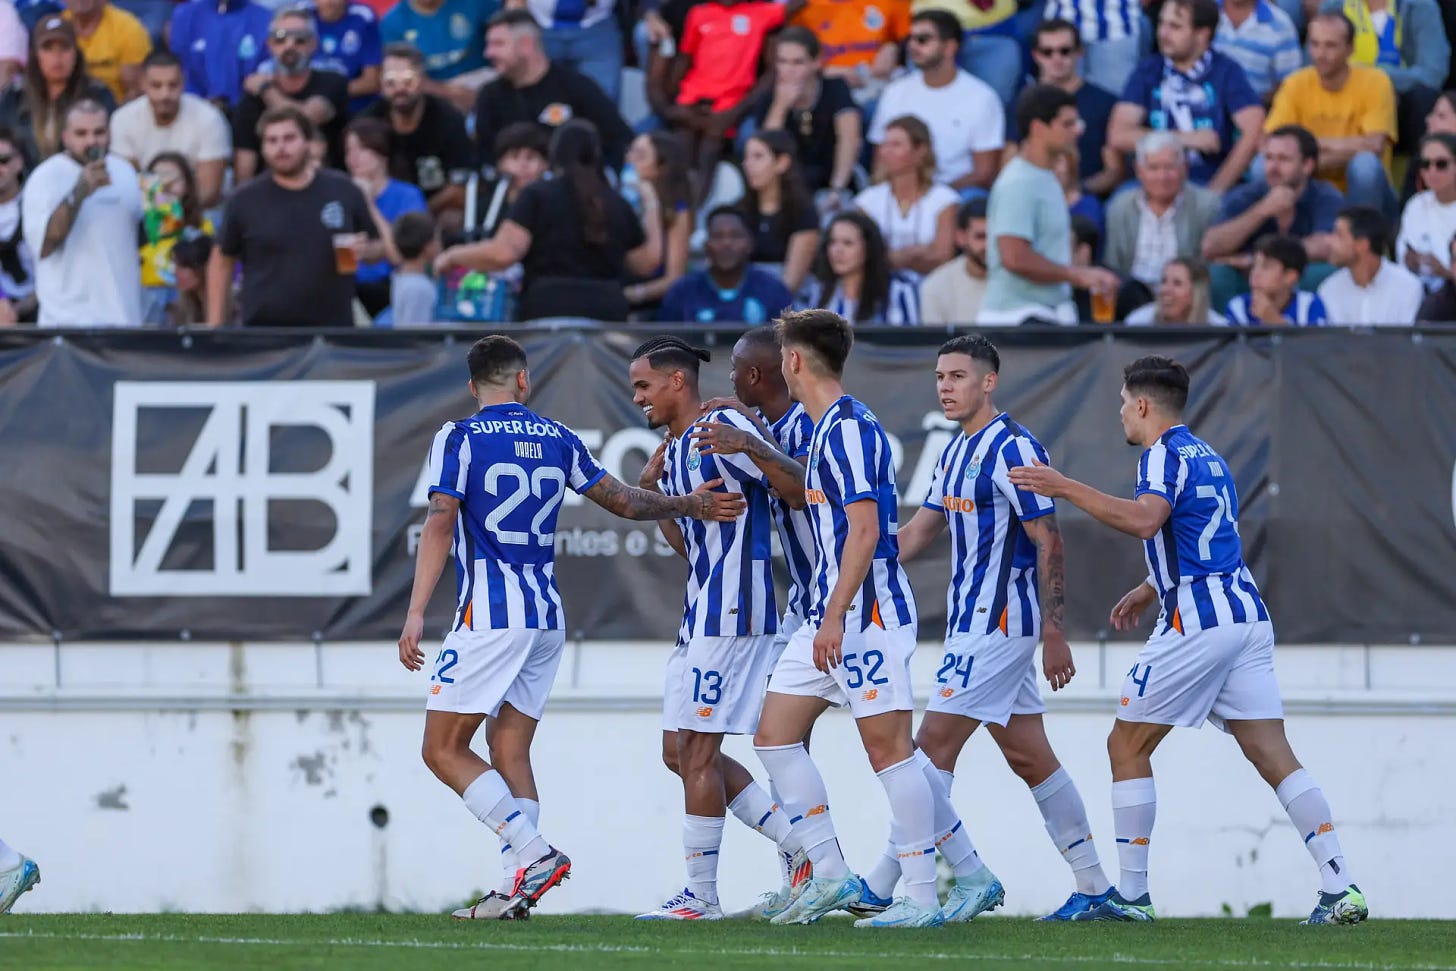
436 757
670 758
696 752
1027 764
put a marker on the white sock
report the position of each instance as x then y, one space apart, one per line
912 802
951 838
789 844
489 800
702 838
532 809
1066 823
885 874
9 856
1134 807
511 861
758 811
798 779
1309 811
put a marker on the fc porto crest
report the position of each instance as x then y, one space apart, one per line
974 469
695 459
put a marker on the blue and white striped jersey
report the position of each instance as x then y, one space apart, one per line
730 565
850 461
796 530
510 469
1304 309
1196 561
1099 19
993 583
571 13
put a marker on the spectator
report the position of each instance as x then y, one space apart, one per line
1367 289
1079 203
729 290
1111 30
292 229
349 43
952 293
366 158
1182 297
1429 220
575 236
818 111
451 36
171 212
1349 108
1196 92
430 147
1289 202
168 119
778 207
411 291
55 79
1441 121
990 47
220 44
1056 51
861 42
661 159
1274 297
17 259
190 259
1262 39
1164 218
13 40
80 211
583 37
115 44
323 96
1440 307
531 87
853 277
915 216
966 121
520 160
1030 273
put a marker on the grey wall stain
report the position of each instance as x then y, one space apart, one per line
313 767
113 799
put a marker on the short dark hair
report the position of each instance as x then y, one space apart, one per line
1086 232
84 106
1204 14
944 22
413 231
970 209
1287 251
668 353
731 209
521 136
1308 144
492 360
374 134
763 337
516 19
1057 25
193 251
802 36
1041 102
405 51
827 336
1337 17
1367 223
161 57
1162 379
286 113
976 347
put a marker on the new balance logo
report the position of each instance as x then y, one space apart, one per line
946 692
870 695
705 711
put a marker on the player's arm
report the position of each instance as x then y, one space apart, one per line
854 565
1141 517
785 475
617 497
713 404
651 475
917 535
1056 654
435 542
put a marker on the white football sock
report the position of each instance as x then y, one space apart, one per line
798 779
951 838
1134 807
885 874
1309 811
755 809
789 845
532 809
489 800
9 857
912 803
1066 823
702 839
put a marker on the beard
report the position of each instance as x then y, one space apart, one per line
288 168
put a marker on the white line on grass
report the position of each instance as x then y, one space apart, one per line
767 952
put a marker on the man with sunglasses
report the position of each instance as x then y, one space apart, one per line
430 147
290 80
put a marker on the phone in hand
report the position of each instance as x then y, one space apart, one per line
95 153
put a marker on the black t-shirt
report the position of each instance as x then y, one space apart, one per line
285 241
813 130
548 210
330 85
771 233
437 153
560 95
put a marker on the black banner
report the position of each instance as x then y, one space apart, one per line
269 486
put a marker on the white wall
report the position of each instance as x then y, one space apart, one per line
216 777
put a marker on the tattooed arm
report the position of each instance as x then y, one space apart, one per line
1056 655
630 503
435 542
785 475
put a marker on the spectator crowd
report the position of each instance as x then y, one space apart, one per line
399 163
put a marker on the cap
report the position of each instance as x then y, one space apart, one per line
50 28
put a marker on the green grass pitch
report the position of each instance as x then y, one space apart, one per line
397 942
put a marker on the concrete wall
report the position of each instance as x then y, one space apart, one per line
217 777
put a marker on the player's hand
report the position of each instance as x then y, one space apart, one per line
1056 660
1041 479
1129 609
718 507
726 401
652 471
719 438
410 654
829 643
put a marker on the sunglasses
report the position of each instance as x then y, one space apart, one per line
298 36
924 38
1056 51
1439 164
400 77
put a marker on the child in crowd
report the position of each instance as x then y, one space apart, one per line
1274 297
411 291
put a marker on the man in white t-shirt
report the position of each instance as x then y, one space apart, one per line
168 119
967 123
952 293
1368 289
80 211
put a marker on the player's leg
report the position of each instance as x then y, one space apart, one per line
705 807
509 735
18 873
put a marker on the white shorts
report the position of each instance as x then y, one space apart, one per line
479 670
873 678
1218 675
790 623
715 684
988 677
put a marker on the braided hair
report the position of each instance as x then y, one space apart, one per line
668 353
